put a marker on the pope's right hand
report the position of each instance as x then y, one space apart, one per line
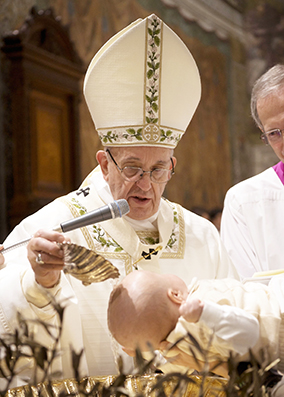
46 257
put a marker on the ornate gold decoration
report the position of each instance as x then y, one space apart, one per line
86 265
135 385
151 133
153 71
155 251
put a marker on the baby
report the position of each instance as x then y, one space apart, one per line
233 316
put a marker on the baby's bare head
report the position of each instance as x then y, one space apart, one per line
140 311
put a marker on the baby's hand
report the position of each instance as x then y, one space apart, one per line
191 309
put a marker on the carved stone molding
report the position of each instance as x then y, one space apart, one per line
212 16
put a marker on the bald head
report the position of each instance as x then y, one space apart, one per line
140 310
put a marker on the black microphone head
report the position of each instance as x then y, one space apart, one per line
119 208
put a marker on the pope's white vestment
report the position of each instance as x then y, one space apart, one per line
252 223
191 248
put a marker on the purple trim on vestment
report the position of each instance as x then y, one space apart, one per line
279 169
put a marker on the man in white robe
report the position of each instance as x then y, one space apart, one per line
253 215
141 103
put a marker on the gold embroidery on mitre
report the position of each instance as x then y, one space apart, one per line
151 133
141 135
152 75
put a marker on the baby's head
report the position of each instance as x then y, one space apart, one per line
144 308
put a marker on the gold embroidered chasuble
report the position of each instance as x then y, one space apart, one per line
117 239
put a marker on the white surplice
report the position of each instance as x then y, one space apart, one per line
253 223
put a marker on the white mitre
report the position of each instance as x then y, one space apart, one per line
143 86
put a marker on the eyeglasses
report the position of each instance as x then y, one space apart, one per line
272 136
133 174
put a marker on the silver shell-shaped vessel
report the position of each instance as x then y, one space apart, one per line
86 265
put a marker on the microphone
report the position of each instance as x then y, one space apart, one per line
110 211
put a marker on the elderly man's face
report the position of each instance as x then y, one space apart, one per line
143 196
271 113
